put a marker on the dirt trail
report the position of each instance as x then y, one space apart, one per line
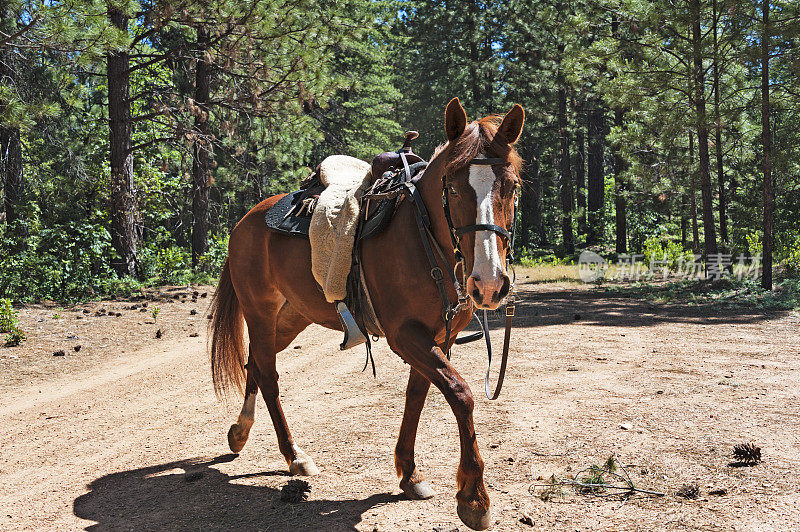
103 441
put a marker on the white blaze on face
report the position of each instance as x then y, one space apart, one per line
487 264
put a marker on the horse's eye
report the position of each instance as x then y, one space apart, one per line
452 190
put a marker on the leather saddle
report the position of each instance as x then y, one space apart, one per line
291 215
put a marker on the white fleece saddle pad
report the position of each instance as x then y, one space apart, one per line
334 222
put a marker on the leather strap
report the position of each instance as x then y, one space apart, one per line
406 168
484 227
423 225
510 308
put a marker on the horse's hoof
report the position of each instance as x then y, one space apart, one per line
475 518
303 466
237 437
418 491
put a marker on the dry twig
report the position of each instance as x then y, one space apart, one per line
598 482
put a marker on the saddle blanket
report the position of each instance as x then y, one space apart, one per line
335 220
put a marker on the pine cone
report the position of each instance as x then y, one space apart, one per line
295 491
689 491
747 453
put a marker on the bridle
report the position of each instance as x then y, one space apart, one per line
455 236
455 233
407 187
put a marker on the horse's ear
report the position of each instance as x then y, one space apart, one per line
455 119
511 128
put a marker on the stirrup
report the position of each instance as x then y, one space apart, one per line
353 335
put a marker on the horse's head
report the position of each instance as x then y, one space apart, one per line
481 178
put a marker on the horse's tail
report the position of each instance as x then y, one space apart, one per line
227 337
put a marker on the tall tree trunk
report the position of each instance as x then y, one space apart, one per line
567 200
12 179
620 202
531 205
595 200
693 197
766 140
472 30
684 222
709 230
723 218
11 175
201 167
580 170
124 216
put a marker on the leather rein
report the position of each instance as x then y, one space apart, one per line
409 189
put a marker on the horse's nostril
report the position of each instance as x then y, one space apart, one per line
506 287
476 294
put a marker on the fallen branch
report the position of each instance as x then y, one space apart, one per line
595 483
612 486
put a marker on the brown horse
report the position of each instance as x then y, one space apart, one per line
267 280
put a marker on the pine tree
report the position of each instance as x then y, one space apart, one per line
766 140
12 177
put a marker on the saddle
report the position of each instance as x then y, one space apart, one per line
291 215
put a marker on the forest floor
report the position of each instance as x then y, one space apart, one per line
126 433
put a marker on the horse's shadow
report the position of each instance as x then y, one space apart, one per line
203 498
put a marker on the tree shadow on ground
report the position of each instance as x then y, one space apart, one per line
537 308
202 498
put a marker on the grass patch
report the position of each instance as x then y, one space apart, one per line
560 273
549 273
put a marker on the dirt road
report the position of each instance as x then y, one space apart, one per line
105 439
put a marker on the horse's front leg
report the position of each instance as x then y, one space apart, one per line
417 347
411 481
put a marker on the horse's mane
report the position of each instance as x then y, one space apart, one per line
476 139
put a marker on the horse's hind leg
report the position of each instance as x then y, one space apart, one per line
412 482
265 346
238 433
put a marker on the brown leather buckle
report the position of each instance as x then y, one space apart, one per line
437 273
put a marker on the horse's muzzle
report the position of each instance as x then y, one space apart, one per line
488 292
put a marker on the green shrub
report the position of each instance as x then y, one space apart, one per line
660 252
754 246
213 259
9 323
792 262
788 252
64 262
71 262
8 316
539 257
173 265
785 296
